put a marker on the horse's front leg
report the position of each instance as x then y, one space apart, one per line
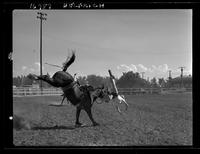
78 111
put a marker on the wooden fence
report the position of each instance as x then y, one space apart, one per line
27 91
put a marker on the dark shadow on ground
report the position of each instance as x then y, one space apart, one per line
57 127
57 105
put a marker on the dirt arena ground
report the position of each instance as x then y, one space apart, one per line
150 120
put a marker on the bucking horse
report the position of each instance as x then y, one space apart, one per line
80 96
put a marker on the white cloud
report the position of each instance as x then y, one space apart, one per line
142 67
24 68
127 68
150 70
187 72
124 67
154 67
32 70
134 68
161 69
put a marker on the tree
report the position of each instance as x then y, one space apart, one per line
161 82
154 82
27 81
137 75
95 80
17 81
107 82
131 80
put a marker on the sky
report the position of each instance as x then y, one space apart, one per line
150 41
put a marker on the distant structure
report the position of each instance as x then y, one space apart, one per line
169 79
182 76
180 81
182 70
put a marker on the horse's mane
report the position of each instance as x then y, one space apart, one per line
67 63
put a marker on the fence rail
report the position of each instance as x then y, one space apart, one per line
27 91
35 91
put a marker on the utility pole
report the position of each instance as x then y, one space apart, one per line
182 75
169 78
170 75
41 17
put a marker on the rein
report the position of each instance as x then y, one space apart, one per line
53 65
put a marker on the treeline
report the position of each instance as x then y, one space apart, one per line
127 80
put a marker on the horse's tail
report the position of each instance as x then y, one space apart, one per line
67 63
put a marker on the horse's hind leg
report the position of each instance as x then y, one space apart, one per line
88 111
62 100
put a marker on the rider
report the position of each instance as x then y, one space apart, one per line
114 91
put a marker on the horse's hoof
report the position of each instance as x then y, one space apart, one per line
96 124
79 125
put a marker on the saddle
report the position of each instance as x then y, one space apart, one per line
69 87
83 88
75 92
